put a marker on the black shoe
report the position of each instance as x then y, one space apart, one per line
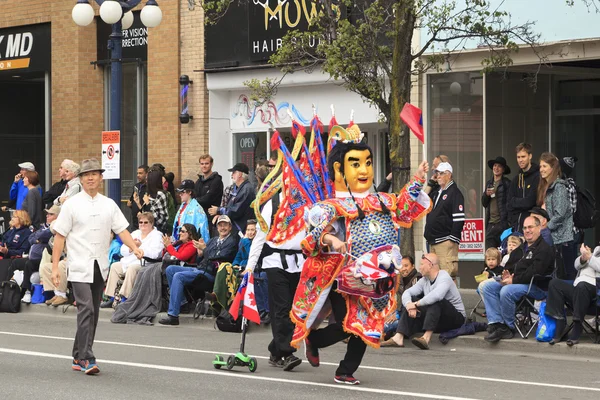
266 319
501 332
492 327
276 361
106 304
169 320
291 362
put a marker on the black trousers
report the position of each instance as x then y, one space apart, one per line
282 288
334 333
493 233
88 297
579 297
437 317
28 267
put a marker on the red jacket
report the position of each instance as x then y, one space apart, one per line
186 252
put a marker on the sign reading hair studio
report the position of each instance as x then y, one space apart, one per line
25 49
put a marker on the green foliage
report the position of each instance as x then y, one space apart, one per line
262 91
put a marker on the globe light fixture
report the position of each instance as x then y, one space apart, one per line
83 13
111 12
151 14
127 20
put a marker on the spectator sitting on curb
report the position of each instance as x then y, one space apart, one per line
433 304
501 297
513 242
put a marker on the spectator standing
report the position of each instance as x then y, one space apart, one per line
494 200
522 193
190 211
18 191
55 190
553 195
73 185
209 186
139 190
33 200
238 208
501 297
85 224
445 222
433 304
432 183
155 201
566 166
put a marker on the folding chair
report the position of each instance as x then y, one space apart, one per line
474 312
594 310
526 314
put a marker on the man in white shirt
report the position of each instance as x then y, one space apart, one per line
282 264
85 223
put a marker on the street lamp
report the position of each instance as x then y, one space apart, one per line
118 14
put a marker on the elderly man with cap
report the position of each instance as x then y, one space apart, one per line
242 195
494 200
190 211
543 216
222 248
85 224
18 191
445 222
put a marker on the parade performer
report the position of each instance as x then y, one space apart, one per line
353 257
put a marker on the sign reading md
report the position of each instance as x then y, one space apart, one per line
25 48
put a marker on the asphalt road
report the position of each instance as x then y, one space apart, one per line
176 363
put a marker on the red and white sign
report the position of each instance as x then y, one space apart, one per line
111 147
472 238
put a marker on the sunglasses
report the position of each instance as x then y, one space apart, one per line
143 222
425 258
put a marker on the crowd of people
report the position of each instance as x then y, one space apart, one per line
203 236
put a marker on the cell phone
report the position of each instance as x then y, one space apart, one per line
135 189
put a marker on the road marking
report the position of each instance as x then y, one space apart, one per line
243 376
406 371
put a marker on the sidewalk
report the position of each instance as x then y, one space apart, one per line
586 348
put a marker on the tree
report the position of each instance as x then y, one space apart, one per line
367 46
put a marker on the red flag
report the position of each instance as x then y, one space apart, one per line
413 117
246 292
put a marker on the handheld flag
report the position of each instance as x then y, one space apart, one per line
413 117
245 293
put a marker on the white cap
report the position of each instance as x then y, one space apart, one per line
443 167
27 165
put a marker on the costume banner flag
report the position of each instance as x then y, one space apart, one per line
413 117
246 293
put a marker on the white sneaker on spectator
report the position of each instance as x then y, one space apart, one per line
26 298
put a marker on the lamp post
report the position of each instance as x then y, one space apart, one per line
118 14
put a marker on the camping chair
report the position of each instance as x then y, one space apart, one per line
526 313
472 317
594 309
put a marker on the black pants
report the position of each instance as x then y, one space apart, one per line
437 317
334 333
282 287
28 267
493 233
88 297
580 297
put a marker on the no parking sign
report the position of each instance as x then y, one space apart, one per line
111 149
471 238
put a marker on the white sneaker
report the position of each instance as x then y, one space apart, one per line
26 298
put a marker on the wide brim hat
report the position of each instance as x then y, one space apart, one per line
90 165
502 161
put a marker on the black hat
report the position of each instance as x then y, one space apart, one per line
240 167
567 164
186 184
502 161
540 211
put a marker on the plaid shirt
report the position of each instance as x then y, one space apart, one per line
573 201
226 195
158 208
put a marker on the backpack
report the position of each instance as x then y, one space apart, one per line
586 215
226 323
10 297
172 210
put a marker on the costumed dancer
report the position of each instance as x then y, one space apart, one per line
353 257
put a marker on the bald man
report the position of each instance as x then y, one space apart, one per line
433 304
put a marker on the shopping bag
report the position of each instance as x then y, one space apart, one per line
546 325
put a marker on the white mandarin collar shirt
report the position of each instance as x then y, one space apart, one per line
86 224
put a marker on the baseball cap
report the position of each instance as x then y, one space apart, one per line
27 165
443 167
541 212
240 167
53 210
223 218
186 184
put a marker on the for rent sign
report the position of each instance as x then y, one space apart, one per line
472 238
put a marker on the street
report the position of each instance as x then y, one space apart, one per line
175 362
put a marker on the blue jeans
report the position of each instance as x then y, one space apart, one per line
178 277
501 301
262 291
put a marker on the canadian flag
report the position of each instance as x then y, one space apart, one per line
245 293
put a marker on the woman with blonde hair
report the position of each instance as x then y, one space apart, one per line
553 196
15 242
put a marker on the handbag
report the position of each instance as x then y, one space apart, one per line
10 297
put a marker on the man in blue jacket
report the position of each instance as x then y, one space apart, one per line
18 191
